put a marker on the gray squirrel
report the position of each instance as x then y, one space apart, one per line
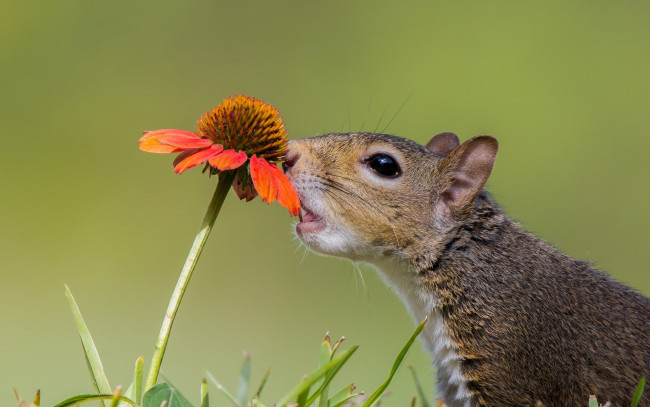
512 321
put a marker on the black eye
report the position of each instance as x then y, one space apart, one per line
384 165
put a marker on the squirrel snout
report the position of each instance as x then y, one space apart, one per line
293 155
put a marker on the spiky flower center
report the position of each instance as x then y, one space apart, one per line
246 124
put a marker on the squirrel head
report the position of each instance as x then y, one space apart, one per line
376 197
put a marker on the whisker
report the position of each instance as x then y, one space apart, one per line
381 117
367 112
397 112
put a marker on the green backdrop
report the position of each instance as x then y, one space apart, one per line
564 86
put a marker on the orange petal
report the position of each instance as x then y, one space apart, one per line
228 160
180 157
287 196
153 145
185 143
197 158
151 141
262 176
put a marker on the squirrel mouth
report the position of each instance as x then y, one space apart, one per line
309 222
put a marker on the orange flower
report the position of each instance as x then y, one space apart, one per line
237 131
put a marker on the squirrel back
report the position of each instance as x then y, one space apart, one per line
513 321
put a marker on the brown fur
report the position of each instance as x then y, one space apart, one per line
530 323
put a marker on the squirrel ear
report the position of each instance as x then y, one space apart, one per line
443 143
465 171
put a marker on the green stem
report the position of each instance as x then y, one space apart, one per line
175 301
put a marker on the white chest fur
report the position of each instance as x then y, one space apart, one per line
452 385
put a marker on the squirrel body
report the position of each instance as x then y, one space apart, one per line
513 321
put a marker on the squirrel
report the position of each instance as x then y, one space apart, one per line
512 320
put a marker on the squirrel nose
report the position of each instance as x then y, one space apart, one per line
290 160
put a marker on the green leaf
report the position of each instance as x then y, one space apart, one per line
223 390
593 402
205 399
163 392
334 364
116 396
84 398
244 380
137 380
342 396
301 400
381 389
638 393
421 392
261 386
97 375
324 357
256 402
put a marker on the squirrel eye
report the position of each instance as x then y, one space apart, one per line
384 165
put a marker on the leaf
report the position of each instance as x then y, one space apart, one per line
205 399
23 403
324 357
84 398
164 393
423 395
223 390
334 364
381 389
638 393
342 396
301 400
116 396
244 380
261 386
137 380
97 375
256 402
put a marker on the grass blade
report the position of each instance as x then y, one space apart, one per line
638 393
261 386
341 396
84 398
164 394
205 399
116 396
324 357
97 375
223 390
374 396
244 379
137 380
256 403
423 395
335 363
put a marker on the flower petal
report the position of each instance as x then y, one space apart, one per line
183 155
262 176
185 143
249 193
197 158
287 196
228 160
152 141
167 132
153 145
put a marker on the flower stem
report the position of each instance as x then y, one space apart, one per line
186 273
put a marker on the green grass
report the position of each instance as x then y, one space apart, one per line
312 391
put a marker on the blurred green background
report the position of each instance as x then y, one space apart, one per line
564 86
